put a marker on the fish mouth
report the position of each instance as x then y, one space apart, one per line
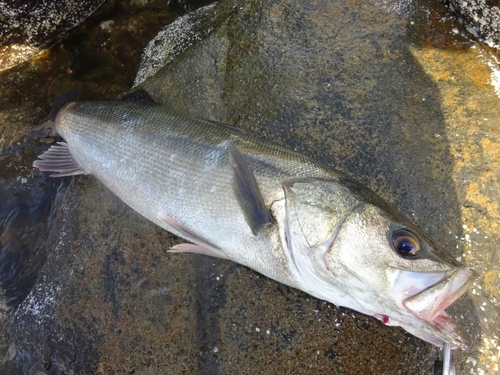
430 303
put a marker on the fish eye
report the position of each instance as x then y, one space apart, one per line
405 243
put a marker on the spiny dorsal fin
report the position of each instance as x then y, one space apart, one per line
58 159
247 192
139 95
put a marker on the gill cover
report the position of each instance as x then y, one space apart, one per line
315 211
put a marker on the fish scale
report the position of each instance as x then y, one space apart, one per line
150 180
243 198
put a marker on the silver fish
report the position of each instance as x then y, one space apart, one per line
238 197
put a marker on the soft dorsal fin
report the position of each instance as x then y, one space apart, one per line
247 192
58 159
234 128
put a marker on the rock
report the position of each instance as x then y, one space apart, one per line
185 6
386 92
480 17
29 26
175 39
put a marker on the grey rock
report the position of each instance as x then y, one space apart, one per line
27 27
175 39
379 90
352 85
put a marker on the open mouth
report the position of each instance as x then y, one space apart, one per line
430 303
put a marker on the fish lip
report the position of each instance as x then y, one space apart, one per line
441 295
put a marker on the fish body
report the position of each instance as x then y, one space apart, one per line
239 197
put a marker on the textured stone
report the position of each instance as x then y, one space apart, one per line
385 91
29 26
391 93
480 17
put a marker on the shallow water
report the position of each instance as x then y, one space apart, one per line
29 204
28 208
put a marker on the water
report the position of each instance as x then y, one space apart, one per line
28 207
29 199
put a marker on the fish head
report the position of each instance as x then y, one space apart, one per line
349 247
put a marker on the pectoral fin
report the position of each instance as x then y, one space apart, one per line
197 249
58 159
201 245
247 192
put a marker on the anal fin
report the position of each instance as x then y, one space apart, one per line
58 159
247 192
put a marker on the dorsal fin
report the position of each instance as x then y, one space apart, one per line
234 128
247 192
139 95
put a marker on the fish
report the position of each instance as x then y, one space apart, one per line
236 196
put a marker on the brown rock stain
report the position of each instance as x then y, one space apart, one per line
440 61
493 150
470 108
475 195
492 281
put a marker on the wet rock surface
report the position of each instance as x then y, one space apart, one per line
116 302
480 17
26 27
385 91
